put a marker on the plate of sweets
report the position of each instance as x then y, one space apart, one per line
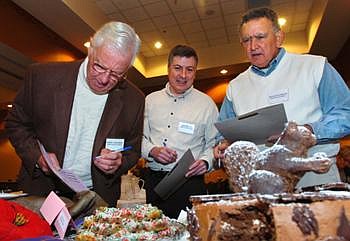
137 223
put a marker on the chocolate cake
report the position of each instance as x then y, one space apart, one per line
307 216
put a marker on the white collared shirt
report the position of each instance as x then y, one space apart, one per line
179 122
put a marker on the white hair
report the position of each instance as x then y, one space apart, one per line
119 36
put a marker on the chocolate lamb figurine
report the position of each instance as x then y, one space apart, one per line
276 169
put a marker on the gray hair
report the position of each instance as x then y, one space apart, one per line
261 13
118 35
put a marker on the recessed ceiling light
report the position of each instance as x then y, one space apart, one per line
223 71
9 106
282 21
87 44
158 45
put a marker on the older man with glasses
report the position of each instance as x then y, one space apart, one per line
78 111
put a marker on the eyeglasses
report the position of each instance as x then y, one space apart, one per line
112 75
260 37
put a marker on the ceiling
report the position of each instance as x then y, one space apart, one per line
210 26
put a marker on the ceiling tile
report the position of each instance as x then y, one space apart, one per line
303 5
298 27
175 41
171 31
180 5
164 21
232 19
234 38
135 14
276 2
145 48
144 2
186 16
148 54
106 6
216 33
209 11
144 26
151 36
196 37
218 41
286 28
157 9
191 27
116 16
233 6
232 30
122 4
213 23
162 51
201 3
199 45
301 17
285 9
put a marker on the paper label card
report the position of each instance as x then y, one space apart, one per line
186 128
62 222
114 144
51 207
279 96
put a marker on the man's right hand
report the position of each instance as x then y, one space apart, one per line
220 148
45 167
163 154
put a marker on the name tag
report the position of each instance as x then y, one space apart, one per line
114 144
186 128
279 96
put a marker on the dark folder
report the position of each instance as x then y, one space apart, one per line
176 177
255 126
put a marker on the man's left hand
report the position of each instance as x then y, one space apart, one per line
199 167
109 161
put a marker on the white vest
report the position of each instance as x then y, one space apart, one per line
294 83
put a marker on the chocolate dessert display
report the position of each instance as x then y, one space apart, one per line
308 216
264 204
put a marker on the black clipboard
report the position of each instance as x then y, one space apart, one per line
176 177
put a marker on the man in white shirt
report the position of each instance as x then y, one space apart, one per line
178 118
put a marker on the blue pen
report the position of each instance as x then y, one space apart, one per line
119 150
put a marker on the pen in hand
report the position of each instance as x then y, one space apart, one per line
118 150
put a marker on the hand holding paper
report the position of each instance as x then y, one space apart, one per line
44 166
69 178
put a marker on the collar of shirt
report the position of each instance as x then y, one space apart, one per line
82 73
272 65
167 90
